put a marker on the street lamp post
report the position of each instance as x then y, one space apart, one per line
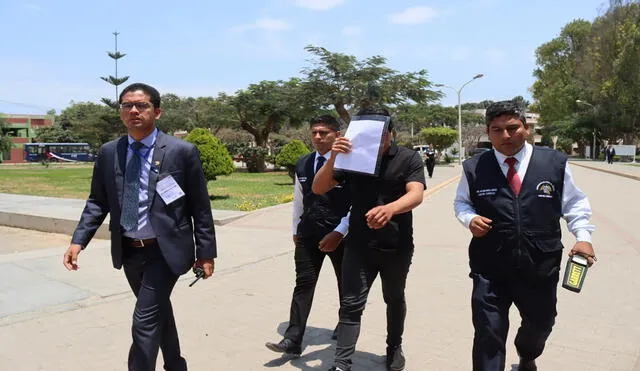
593 156
458 91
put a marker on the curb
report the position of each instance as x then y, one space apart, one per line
67 226
634 177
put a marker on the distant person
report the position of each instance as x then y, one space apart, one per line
609 153
380 239
511 199
152 230
320 222
430 160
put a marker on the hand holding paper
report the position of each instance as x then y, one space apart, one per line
341 145
365 136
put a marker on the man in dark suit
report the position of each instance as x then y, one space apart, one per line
319 224
153 186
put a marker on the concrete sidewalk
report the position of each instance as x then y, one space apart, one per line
625 169
51 319
61 215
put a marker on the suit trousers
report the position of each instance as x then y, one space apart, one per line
360 267
154 326
490 303
308 260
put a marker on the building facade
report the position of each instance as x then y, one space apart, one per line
22 129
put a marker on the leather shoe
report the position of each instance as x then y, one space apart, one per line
395 358
527 365
334 368
286 346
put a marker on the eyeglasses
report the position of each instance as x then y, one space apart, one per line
140 106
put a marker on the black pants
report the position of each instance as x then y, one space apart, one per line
360 267
430 165
490 302
153 327
308 259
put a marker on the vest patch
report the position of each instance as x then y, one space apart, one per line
486 192
545 189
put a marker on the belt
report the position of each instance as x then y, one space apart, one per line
136 242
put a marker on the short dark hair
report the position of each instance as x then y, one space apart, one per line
327 120
380 111
505 107
153 94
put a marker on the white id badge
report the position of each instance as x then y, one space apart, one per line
168 189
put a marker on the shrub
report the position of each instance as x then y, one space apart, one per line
289 155
440 137
213 154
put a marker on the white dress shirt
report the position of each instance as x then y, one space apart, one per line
576 209
298 207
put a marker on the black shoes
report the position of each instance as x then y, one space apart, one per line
285 346
334 368
527 365
395 358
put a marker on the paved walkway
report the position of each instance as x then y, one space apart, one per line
51 319
625 169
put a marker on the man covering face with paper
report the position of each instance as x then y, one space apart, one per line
385 182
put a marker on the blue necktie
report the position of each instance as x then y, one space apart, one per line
131 196
320 163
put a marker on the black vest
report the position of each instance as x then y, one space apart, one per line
321 213
525 233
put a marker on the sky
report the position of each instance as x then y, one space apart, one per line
53 52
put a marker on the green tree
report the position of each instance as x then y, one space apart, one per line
213 154
264 108
175 115
342 82
289 155
5 141
114 80
91 123
519 99
187 113
56 134
594 62
479 105
611 69
558 83
440 137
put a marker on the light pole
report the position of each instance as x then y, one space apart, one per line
593 157
458 91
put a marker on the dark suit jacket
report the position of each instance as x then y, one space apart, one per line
175 224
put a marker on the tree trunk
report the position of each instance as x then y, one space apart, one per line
344 114
257 163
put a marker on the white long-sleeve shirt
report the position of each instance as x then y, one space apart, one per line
576 209
298 207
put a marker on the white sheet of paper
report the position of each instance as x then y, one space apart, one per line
168 189
366 139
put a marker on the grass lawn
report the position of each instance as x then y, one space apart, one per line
238 191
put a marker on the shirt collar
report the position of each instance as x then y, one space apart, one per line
326 156
518 156
148 141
